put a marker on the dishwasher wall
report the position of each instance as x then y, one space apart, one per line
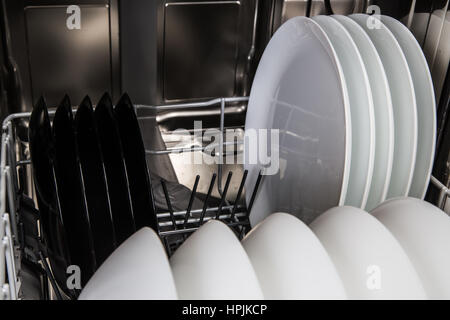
163 51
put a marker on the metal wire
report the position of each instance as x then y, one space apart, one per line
7 248
444 192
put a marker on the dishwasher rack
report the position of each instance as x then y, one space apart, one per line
171 224
174 227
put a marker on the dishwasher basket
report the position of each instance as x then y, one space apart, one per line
174 227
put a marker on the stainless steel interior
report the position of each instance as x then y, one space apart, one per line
164 52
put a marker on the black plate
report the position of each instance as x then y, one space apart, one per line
134 153
116 174
94 178
71 193
42 149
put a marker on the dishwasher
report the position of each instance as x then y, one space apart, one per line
171 65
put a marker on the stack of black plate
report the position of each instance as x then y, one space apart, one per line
91 180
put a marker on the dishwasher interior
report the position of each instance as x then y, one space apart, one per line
185 64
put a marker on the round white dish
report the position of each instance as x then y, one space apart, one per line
403 102
212 265
290 262
423 231
361 110
137 270
384 117
426 105
297 67
369 260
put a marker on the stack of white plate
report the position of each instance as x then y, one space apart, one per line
399 251
354 104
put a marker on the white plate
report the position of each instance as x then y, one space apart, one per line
403 102
369 260
212 265
361 110
424 233
290 262
137 270
426 105
384 117
288 93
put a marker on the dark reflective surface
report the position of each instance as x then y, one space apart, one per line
55 51
93 174
71 193
41 149
117 178
441 169
200 58
40 136
134 153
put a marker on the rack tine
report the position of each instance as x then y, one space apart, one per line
50 275
167 245
191 201
242 232
255 190
205 205
241 188
169 204
224 194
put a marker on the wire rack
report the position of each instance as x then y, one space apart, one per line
174 227
173 224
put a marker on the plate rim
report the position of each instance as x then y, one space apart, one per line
346 109
360 19
369 96
387 108
399 30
